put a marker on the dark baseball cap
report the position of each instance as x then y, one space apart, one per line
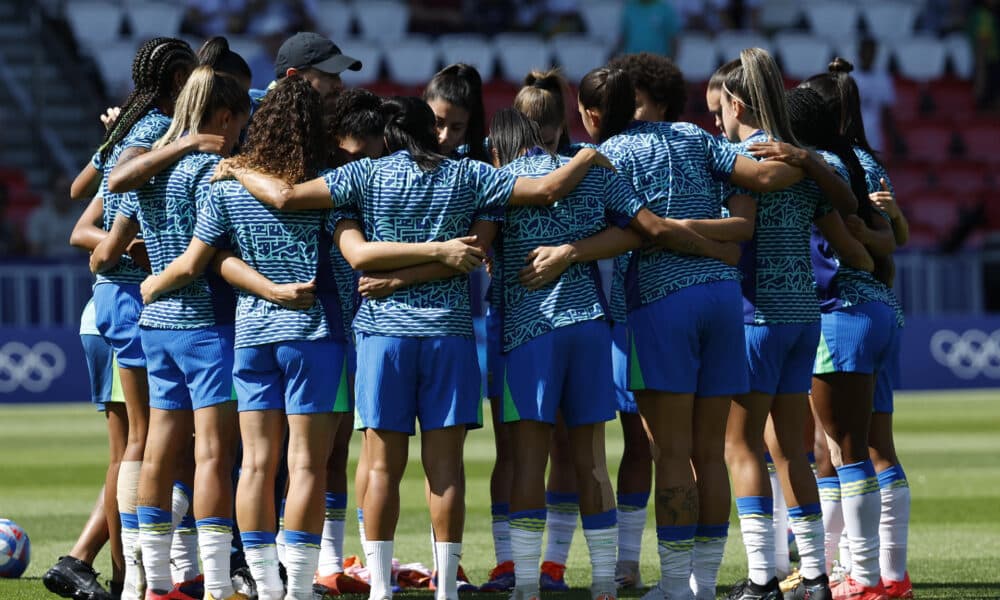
308 49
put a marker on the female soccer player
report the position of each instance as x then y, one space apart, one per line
455 94
781 325
187 338
160 68
857 329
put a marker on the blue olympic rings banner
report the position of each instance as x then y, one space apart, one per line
42 365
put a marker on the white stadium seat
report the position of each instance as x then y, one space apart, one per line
920 58
730 43
578 54
603 19
832 20
847 48
520 53
248 47
779 14
889 21
370 55
114 61
382 20
960 53
697 56
334 18
154 19
411 61
802 54
95 23
472 49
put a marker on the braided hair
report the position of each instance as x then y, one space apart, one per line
154 69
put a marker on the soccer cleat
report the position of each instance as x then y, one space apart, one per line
655 593
464 585
603 590
814 589
850 589
791 582
194 588
627 575
552 578
235 596
899 589
748 590
72 578
243 582
501 578
174 594
838 573
116 587
342 583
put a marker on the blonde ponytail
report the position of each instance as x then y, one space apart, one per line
757 83
189 110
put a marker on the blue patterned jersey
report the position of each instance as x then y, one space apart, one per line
151 127
676 169
839 286
282 246
166 209
603 198
777 273
874 172
399 202
337 278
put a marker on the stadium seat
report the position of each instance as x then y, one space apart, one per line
472 49
603 19
383 20
519 53
889 20
979 139
928 142
578 54
920 58
961 178
832 20
802 54
151 19
114 62
908 179
95 23
729 44
779 14
370 55
952 98
246 46
697 56
934 212
334 17
847 47
960 55
411 61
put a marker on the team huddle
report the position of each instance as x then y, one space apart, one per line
278 268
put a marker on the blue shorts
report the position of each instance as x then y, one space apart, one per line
117 318
887 379
402 379
494 354
565 370
619 365
780 357
101 367
689 342
189 369
300 377
855 339
352 358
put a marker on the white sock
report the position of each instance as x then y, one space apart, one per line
302 554
526 528
807 524
262 558
331 553
154 538
603 546
560 525
434 557
631 524
215 539
135 578
378 558
894 523
833 517
501 531
180 503
862 507
447 555
782 562
709 547
279 538
675 545
757 525
184 551
361 526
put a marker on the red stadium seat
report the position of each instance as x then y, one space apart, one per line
979 138
908 179
952 98
907 106
936 213
962 178
928 142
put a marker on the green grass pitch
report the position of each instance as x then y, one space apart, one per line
54 459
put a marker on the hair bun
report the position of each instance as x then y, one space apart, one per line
840 65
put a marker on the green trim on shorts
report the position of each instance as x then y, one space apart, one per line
117 393
824 359
636 380
232 393
343 402
510 412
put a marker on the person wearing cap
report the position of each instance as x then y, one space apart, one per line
316 59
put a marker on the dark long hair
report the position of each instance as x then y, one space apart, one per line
409 125
154 69
815 124
286 136
512 134
462 86
839 89
215 53
609 91
659 77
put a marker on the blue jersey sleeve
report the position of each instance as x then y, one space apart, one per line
129 207
212 225
96 162
347 184
721 157
341 214
621 203
145 133
492 187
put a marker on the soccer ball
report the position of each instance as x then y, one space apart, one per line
15 549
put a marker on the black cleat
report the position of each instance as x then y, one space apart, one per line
72 578
748 590
811 589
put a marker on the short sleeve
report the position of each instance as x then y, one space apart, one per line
337 215
347 184
129 206
96 162
721 157
492 187
621 203
212 225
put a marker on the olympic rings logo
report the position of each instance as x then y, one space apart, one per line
33 368
968 355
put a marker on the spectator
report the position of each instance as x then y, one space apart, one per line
701 15
984 28
51 224
436 16
650 26
878 94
